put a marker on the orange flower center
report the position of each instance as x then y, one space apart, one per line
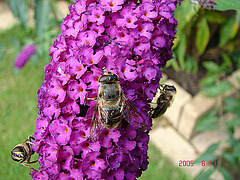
93 163
140 29
81 89
79 68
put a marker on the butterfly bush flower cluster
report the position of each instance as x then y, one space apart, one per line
24 56
132 39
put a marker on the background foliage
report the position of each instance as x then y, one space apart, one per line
209 41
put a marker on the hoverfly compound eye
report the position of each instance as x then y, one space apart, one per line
108 77
115 77
169 88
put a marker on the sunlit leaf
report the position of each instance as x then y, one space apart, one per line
215 17
203 35
223 5
228 31
181 50
183 14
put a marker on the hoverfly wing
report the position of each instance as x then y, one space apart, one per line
133 116
94 123
96 127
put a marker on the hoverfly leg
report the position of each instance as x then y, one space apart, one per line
94 123
93 99
150 112
25 164
32 162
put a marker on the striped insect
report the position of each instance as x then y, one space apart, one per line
166 98
112 106
22 152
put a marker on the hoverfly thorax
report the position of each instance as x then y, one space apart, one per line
171 90
109 89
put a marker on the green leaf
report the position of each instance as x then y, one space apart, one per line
237 149
231 105
216 89
207 122
226 174
181 50
19 9
208 80
42 13
173 63
227 63
231 158
191 64
211 66
235 56
215 17
223 5
184 15
203 35
228 31
204 175
208 154
2 50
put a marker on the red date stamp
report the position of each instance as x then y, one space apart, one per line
190 163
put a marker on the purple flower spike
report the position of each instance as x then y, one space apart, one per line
132 39
24 56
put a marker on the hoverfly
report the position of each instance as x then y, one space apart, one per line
22 152
166 98
112 105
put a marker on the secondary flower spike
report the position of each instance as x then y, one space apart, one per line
132 39
24 56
